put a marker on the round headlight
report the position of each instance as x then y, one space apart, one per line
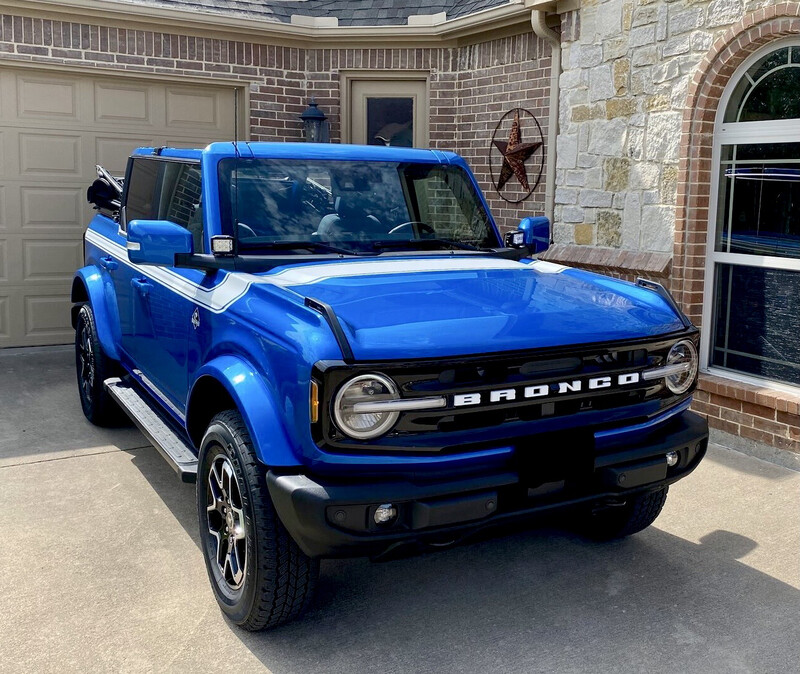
366 388
682 353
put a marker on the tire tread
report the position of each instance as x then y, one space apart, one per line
287 577
636 515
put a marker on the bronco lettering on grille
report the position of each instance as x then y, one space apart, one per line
545 390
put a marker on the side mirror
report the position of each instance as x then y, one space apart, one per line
533 234
157 242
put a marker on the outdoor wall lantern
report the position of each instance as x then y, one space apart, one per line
315 124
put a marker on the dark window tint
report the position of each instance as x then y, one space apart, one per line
141 203
757 322
166 190
774 98
390 121
180 199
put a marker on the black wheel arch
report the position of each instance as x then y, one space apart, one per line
208 398
79 296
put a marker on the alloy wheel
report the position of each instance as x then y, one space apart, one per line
86 360
226 522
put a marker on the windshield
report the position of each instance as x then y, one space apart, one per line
348 205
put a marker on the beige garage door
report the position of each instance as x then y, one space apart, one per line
54 128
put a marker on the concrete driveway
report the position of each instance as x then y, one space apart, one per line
100 570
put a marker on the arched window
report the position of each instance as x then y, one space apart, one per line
752 303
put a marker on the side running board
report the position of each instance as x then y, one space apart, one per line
155 428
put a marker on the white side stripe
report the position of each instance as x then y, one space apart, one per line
215 299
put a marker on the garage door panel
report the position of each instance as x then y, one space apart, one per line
47 97
49 154
11 261
52 207
54 127
191 108
122 103
50 260
112 152
5 322
47 315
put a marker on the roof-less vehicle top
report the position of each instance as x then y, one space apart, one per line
338 345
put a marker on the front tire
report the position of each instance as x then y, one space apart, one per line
637 513
93 367
260 577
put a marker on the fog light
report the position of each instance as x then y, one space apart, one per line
672 459
385 513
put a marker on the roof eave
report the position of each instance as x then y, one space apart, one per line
228 26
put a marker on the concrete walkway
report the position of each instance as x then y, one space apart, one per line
100 571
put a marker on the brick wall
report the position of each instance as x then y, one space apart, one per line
495 77
470 86
761 415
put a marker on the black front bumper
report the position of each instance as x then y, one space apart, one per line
336 518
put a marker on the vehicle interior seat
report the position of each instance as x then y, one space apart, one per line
350 218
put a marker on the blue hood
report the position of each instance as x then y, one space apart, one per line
458 305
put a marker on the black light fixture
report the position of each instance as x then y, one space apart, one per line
315 124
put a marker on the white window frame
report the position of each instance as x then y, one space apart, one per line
733 133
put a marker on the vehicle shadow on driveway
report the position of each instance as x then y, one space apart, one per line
538 600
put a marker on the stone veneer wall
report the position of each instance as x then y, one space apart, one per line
626 70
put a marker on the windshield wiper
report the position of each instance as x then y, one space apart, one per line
430 243
314 246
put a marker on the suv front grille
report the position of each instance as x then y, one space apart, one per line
418 430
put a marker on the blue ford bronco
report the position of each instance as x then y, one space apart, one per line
337 344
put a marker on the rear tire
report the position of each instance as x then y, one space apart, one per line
93 367
638 512
260 577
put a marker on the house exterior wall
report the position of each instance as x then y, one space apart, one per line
470 87
640 89
624 88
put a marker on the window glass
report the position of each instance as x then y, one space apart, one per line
758 210
390 121
755 318
141 201
180 199
347 201
444 203
166 190
757 321
768 90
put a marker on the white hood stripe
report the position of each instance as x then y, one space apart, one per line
235 285
314 273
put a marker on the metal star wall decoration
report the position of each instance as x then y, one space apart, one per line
515 153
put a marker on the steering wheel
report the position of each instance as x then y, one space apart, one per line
416 227
245 231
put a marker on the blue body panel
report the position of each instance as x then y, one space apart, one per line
254 334
441 307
